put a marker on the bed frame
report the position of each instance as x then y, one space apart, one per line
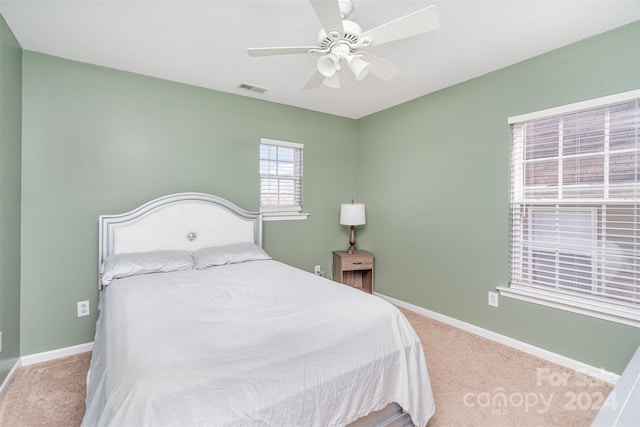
190 221
182 221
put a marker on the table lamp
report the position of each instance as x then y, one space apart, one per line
352 214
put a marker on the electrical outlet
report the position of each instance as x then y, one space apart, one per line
493 299
317 270
83 308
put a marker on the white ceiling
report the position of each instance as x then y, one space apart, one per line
204 43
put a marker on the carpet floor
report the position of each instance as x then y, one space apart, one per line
476 382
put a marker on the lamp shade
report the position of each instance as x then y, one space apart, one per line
359 67
333 81
328 64
352 214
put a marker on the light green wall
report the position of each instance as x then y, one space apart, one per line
99 141
434 174
10 164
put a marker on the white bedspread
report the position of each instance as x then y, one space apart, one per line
258 343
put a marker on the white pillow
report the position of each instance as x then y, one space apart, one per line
134 263
228 254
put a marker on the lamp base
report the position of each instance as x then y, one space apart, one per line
352 242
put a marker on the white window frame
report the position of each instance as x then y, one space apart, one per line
283 213
558 298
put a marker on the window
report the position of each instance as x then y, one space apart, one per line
281 179
575 208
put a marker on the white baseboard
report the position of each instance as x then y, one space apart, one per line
46 356
7 381
558 359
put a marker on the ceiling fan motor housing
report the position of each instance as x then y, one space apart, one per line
351 35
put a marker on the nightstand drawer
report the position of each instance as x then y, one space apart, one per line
355 262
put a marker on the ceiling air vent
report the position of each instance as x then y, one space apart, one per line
252 88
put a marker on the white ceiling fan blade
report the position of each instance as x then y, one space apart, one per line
268 51
328 12
315 81
418 22
381 68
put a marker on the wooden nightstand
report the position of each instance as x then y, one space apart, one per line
355 270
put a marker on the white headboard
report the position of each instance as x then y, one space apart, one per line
183 221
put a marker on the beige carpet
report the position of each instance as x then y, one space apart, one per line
476 382
470 374
47 394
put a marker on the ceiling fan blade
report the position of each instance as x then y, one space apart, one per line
413 24
328 12
381 68
268 51
315 81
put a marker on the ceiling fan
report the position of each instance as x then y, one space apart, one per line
340 41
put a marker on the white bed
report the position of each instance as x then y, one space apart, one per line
249 341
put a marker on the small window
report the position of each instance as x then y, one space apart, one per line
575 208
281 179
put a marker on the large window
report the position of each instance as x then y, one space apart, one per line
281 179
575 198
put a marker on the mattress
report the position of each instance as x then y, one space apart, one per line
253 343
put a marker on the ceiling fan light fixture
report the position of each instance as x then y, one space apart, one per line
333 81
328 64
360 67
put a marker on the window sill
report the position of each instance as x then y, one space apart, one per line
567 302
284 216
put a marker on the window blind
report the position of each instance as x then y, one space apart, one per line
280 176
575 196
